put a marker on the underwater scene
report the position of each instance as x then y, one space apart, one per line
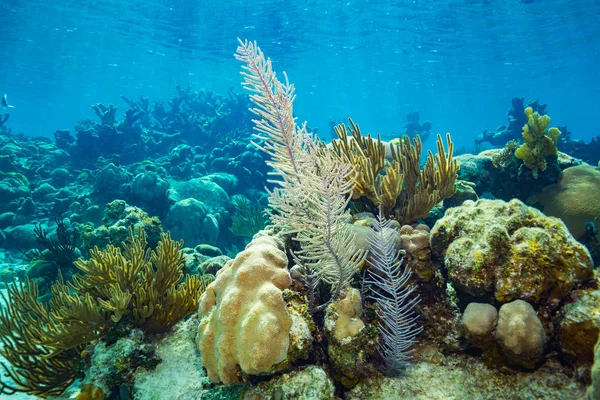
266 200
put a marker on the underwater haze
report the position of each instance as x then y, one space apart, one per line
299 200
456 62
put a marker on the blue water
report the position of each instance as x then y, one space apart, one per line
458 63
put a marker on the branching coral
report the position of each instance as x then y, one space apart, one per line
62 250
538 143
400 186
135 285
140 283
36 369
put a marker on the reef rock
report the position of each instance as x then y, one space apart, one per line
347 338
593 392
509 251
310 383
579 326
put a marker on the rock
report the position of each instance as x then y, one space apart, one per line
509 251
579 327
201 189
309 383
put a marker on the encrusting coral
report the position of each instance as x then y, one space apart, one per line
399 186
538 143
135 285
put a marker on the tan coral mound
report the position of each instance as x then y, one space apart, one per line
510 251
574 198
244 325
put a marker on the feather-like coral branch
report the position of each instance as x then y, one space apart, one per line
397 320
314 189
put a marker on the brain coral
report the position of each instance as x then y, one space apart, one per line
574 198
510 251
244 325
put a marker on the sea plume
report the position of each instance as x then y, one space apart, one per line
313 188
388 282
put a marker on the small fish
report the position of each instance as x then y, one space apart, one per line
5 102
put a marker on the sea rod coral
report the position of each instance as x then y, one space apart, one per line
129 286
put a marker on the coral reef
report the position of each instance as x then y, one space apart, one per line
328 300
505 177
588 152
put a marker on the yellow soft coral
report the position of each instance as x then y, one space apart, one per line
538 143
43 341
399 186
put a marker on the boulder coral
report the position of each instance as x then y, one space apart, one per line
572 198
479 322
509 251
244 324
520 334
